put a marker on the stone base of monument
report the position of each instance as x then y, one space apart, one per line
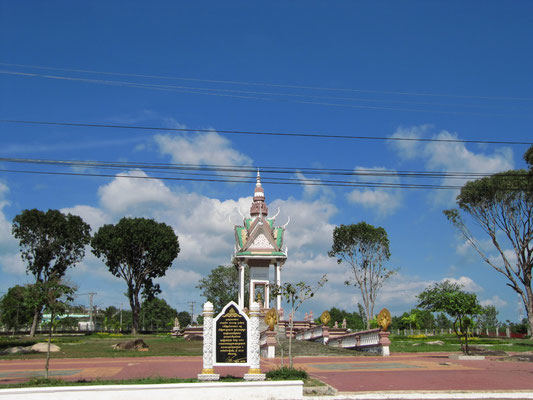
208 377
254 377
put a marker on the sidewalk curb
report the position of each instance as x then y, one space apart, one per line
428 395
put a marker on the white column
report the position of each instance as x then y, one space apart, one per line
252 290
267 296
278 282
254 374
208 373
241 286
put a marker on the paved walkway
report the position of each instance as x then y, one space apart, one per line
404 372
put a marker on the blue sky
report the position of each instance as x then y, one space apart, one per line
412 69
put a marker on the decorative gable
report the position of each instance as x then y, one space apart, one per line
261 242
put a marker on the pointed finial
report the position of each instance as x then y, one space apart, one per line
258 184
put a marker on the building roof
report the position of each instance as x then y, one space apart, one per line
258 237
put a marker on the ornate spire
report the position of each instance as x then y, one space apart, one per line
258 206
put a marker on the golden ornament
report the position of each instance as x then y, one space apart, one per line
271 318
384 319
325 318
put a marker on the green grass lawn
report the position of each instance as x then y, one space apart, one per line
404 344
97 345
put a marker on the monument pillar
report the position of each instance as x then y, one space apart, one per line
208 373
241 285
254 374
277 277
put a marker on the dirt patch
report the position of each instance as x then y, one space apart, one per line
137 344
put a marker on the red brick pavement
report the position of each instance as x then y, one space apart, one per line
347 374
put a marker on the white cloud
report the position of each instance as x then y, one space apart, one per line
10 261
5 225
175 278
402 289
313 189
383 201
467 283
409 149
95 217
496 301
449 157
12 264
309 229
201 148
130 194
497 260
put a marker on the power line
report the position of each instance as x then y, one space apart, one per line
189 89
209 92
238 132
175 167
248 181
269 180
267 84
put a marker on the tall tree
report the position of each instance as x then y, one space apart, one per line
488 317
449 298
184 318
502 206
15 311
137 250
222 286
50 242
365 248
157 314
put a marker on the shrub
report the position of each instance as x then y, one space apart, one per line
286 373
420 336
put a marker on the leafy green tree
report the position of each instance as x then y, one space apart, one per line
365 248
449 298
295 295
184 318
222 286
50 242
442 322
157 314
353 320
111 314
424 318
410 319
502 206
14 309
488 317
137 250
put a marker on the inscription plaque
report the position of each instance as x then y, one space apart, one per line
231 342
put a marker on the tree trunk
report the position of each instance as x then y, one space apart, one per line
34 322
48 347
135 311
291 324
530 318
529 310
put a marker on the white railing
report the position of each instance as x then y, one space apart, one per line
357 340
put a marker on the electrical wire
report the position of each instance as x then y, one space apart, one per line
290 134
267 84
210 92
211 173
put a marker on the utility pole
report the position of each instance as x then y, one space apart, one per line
192 303
91 323
91 295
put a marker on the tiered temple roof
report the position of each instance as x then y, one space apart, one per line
258 237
